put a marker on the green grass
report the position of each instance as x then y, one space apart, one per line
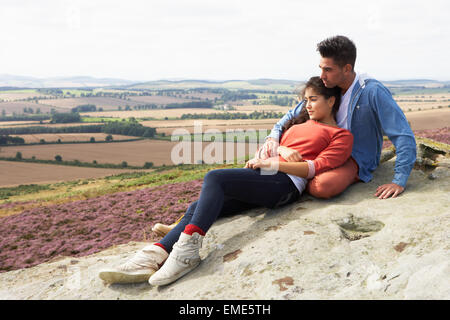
99 119
173 173
5 193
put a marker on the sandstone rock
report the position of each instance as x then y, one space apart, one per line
390 249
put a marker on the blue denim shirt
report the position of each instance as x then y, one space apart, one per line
372 113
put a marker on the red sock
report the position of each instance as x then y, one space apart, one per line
160 245
191 228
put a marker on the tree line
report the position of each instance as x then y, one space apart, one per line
4 140
239 95
237 115
125 128
195 104
36 117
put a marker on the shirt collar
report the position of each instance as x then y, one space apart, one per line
349 91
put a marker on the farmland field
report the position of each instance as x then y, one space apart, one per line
171 113
429 119
159 100
17 173
20 95
168 126
135 153
201 95
66 137
424 102
248 108
45 123
100 102
18 106
6 124
154 113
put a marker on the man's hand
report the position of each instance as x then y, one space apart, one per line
259 163
288 154
250 163
268 149
387 190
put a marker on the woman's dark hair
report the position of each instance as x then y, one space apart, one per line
341 49
319 88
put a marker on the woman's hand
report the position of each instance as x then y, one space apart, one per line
288 154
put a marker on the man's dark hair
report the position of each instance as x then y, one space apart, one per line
341 49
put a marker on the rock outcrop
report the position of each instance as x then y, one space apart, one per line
354 246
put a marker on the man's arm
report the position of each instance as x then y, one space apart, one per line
277 129
396 127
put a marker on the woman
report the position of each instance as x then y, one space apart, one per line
267 180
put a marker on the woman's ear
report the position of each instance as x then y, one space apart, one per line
331 100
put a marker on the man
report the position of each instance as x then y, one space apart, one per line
368 110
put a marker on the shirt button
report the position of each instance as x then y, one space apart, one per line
357 107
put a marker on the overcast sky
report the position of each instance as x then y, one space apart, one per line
220 39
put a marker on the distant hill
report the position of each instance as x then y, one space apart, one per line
427 83
257 84
14 81
7 80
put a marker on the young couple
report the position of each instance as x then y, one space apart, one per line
330 140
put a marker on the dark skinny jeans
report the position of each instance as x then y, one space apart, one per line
228 191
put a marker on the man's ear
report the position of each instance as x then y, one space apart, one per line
348 68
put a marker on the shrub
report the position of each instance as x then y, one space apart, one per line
148 165
58 158
65 117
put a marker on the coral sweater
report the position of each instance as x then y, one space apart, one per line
326 146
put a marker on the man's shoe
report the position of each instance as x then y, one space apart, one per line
183 258
139 268
163 229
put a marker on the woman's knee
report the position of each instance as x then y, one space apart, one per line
320 188
218 176
213 175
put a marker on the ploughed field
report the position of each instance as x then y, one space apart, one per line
135 153
14 173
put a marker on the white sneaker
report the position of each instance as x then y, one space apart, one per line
183 258
139 268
